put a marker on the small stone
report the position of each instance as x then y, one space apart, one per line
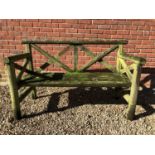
149 128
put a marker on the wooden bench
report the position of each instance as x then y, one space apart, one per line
123 75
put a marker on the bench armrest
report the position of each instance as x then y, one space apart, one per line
16 57
135 59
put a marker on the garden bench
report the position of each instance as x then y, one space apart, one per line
124 74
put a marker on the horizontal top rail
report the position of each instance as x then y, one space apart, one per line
75 42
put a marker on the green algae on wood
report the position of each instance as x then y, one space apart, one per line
121 75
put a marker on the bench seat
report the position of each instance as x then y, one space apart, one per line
102 79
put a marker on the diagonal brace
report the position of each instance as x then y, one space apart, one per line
22 71
17 66
64 51
91 54
99 57
49 62
52 58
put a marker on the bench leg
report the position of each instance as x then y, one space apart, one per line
134 93
15 104
28 49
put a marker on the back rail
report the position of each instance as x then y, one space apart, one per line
75 44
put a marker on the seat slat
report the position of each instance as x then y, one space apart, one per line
80 79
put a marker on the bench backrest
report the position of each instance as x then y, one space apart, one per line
75 45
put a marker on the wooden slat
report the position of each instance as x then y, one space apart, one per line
31 67
118 64
83 76
80 79
52 58
88 52
99 57
75 42
134 59
75 58
77 84
64 51
17 57
26 79
43 66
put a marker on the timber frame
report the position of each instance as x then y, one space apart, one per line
121 75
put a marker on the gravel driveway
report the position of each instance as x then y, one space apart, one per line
76 111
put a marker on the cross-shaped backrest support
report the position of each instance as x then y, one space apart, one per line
75 45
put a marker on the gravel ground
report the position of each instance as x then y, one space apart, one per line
76 111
